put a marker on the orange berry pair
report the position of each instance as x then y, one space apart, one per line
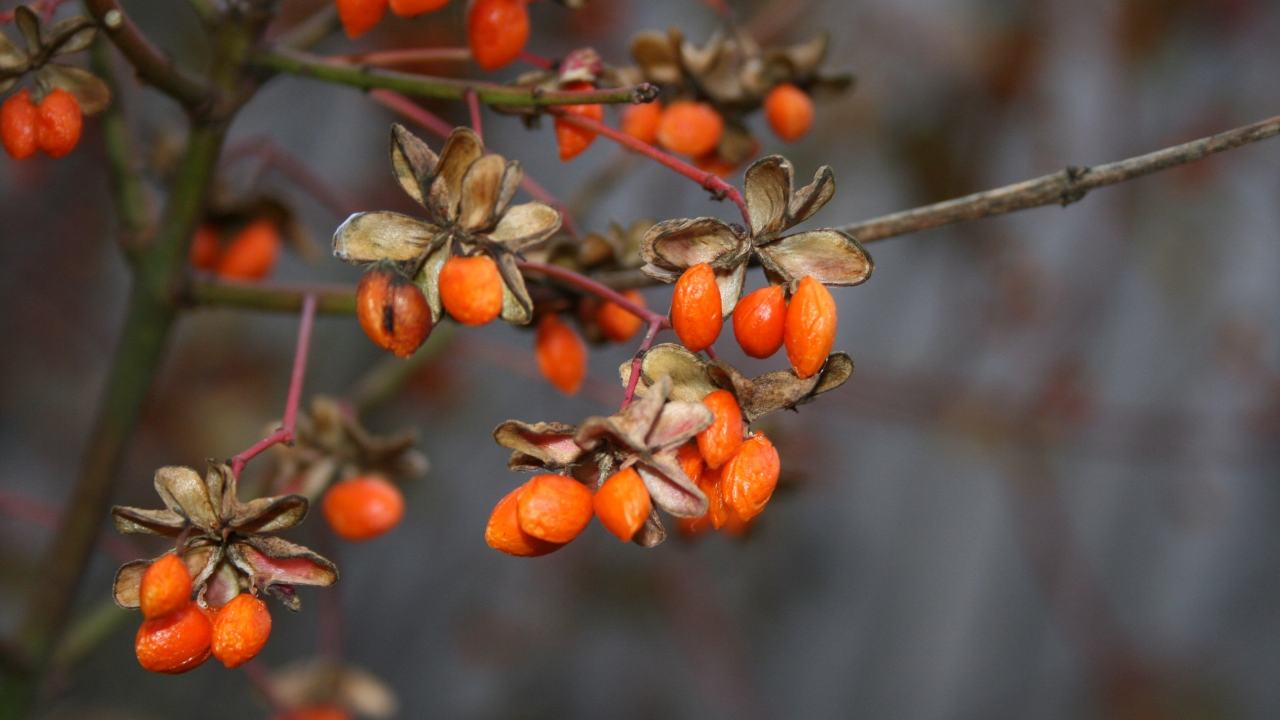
696 313
250 254
540 516
53 126
471 289
561 354
497 31
392 311
690 128
571 139
763 321
363 507
789 112
360 16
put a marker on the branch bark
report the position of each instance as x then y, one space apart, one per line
153 66
1063 187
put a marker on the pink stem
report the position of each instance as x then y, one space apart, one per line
290 422
537 192
713 183
537 61
637 361
294 169
473 105
600 290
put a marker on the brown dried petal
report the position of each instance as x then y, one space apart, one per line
461 149
271 514
6 84
830 256
651 534
526 225
137 521
656 56
185 492
12 57
29 25
688 372
72 35
428 279
517 306
201 561
89 90
812 197
677 424
224 583
128 581
679 244
730 284
550 443
480 189
767 188
271 560
781 389
670 488
373 236
807 56
412 162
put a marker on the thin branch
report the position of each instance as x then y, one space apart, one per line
126 179
277 158
153 66
586 284
319 68
330 300
285 433
1064 187
713 183
406 56
473 109
637 360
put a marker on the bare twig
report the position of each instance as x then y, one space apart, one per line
152 65
1063 187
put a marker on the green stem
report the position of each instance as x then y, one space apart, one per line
126 182
332 300
307 65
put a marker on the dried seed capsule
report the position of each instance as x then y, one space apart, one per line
690 128
471 289
618 324
562 356
392 311
409 8
759 320
18 125
695 308
251 253
750 476
497 31
58 123
641 121
789 112
165 587
503 532
174 643
240 630
572 139
810 328
554 508
360 16
622 503
720 440
363 507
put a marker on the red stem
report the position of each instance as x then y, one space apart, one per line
537 61
713 183
473 105
290 422
286 164
637 361
604 292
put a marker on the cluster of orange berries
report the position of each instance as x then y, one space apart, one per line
360 16
177 634
52 126
497 30
763 320
363 507
249 253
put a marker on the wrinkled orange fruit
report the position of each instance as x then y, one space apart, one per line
696 314
720 440
240 630
810 328
750 477
18 125
503 532
471 289
554 508
165 587
174 643
58 123
759 320
622 503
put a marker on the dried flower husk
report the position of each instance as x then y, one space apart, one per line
43 45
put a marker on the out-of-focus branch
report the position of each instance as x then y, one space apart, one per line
153 66
330 300
1063 187
126 180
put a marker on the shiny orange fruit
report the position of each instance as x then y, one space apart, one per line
392 311
471 289
554 508
622 503
497 31
503 532
240 630
618 324
174 643
690 128
58 123
811 327
696 313
721 439
165 587
641 121
750 477
360 16
251 253
571 139
759 319
789 112
363 507
562 356
18 125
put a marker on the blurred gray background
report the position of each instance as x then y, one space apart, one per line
1049 490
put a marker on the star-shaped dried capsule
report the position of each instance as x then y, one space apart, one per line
467 194
226 544
43 45
832 257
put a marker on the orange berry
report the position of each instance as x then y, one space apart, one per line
471 289
618 324
18 125
58 123
316 712
409 8
240 630
721 439
759 320
363 507
205 248
359 16
691 461
641 121
562 356
622 503
690 128
503 531
251 253
165 587
811 327
497 31
392 311
695 308
174 643
789 112
571 138
554 508
750 476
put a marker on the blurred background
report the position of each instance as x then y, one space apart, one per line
1049 490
